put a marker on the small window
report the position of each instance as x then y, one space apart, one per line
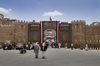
22 26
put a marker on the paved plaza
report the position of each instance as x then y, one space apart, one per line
55 57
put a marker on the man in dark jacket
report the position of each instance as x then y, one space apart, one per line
53 44
28 46
43 49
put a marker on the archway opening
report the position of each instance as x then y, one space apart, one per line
50 35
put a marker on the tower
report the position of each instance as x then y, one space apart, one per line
78 31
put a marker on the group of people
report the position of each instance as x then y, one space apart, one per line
55 45
9 46
42 47
86 48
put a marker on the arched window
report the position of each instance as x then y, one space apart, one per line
21 25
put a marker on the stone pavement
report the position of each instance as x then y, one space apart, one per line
55 57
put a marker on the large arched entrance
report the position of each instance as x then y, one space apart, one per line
50 35
49 31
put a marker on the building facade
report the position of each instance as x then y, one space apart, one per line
75 32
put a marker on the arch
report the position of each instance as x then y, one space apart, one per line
50 32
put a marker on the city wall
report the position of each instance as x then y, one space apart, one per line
17 31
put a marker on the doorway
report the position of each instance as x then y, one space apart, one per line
50 35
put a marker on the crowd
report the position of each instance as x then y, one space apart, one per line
55 45
72 46
36 47
42 47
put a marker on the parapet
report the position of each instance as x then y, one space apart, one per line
78 22
7 19
7 26
23 22
95 24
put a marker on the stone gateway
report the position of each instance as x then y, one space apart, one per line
76 32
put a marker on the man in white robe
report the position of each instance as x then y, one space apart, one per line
86 48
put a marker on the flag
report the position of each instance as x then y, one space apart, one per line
41 35
58 22
50 18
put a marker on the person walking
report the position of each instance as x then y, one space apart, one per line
59 45
43 49
33 47
52 45
24 46
86 48
14 45
36 49
65 45
72 46
29 46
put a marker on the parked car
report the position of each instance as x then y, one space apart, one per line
7 45
19 46
1 46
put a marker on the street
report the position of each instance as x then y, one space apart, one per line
55 57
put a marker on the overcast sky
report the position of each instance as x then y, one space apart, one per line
41 10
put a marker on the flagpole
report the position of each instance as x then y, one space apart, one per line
50 18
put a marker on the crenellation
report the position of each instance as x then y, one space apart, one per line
78 22
7 26
72 21
21 21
